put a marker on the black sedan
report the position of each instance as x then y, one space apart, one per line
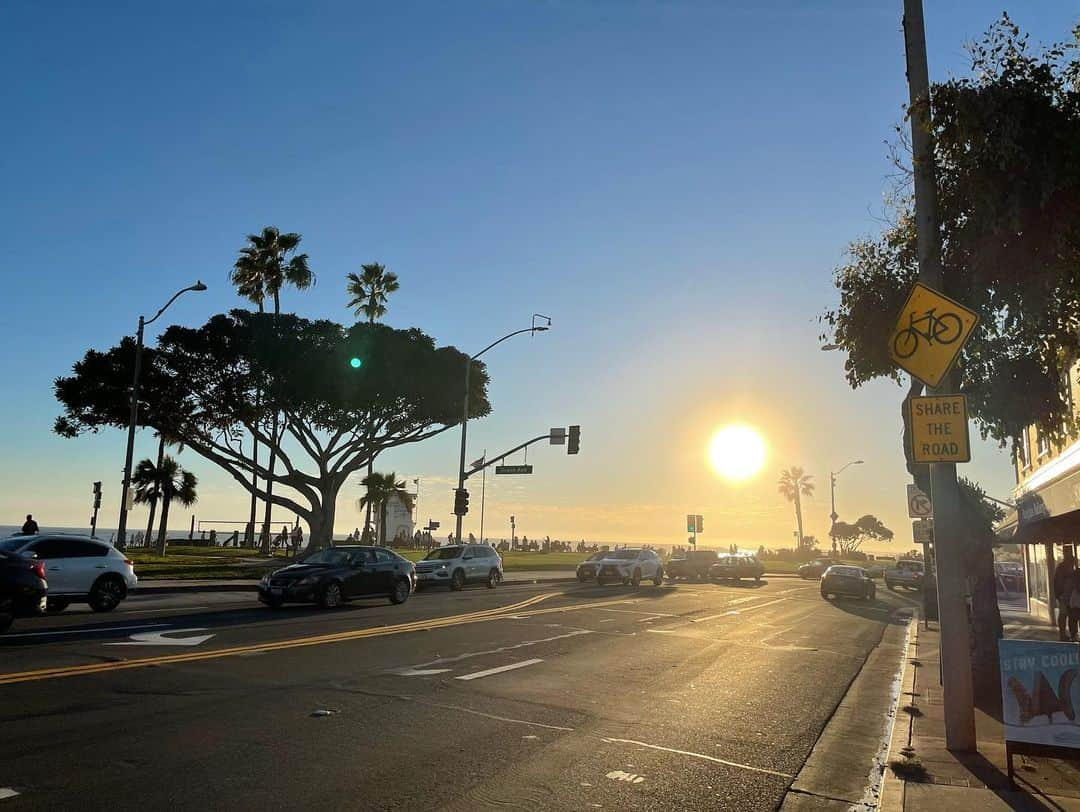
23 588
334 575
854 582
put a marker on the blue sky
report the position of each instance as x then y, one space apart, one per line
671 182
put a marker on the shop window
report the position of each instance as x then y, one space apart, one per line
1022 451
1042 444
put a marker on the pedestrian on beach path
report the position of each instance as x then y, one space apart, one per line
29 527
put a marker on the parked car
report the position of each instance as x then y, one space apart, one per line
333 575
586 570
736 567
849 581
630 566
23 589
876 569
691 564
815 568
907 573
79 569
459 564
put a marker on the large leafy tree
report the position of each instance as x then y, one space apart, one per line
263 267
850 537
793 485
1007 152
334 418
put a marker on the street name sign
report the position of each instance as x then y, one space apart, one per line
513 469
929 334
918 503
939 429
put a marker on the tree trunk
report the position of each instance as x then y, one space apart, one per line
798 517
269 490
166 497
382 523
153 498
249 534
367 514
321 519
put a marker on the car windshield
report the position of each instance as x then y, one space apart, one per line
328 557
847 572
12 545
443 554
622 554
595 557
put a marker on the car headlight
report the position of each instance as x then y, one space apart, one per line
265 580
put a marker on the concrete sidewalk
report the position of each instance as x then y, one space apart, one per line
932 777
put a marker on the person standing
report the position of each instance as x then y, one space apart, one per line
1063 582
30 527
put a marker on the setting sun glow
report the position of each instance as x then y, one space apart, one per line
736 452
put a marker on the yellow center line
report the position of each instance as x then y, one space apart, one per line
300 642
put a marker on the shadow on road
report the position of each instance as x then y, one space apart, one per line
876 609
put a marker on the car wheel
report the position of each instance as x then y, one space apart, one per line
493 579
892 587
658 579
757 579
582 579
401 591
55 606
600 581
331 596
457 580
824 594
106 593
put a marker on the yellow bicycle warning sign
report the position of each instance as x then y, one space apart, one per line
929 334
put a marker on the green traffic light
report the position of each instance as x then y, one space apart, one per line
356 363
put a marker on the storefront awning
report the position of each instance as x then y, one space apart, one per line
1049 514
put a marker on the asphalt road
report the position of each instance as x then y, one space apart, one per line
560 697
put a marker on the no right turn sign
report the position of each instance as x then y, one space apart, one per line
918 503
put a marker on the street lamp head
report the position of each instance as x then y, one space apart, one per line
540 329
857 462
199 286
830 347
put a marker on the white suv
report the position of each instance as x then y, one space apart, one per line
460 564
79 569
630 566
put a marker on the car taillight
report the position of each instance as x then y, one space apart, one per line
129 562
39 569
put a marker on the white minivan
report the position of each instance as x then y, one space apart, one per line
79 569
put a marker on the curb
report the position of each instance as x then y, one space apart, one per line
893 788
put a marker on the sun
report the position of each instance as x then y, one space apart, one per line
737 452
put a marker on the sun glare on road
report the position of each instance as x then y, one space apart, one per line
736 452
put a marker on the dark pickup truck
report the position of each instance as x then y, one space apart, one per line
691 564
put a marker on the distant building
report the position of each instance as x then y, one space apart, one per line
399 520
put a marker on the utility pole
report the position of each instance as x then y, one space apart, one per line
483 495
951 584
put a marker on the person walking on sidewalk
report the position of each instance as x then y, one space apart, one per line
1074 605
1063 580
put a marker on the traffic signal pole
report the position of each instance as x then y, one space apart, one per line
951 583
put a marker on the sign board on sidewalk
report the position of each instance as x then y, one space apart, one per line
939 429
918 503
922 531
929 334
513 469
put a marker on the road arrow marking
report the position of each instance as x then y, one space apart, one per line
159 638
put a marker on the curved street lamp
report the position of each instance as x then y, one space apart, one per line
536 328
832 498
121 526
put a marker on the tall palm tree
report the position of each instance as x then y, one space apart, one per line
371 291
370 294
263 267
379 490
793 485
167 482
150 492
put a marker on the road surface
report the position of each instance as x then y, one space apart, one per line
688 696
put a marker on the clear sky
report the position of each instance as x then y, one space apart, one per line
672 182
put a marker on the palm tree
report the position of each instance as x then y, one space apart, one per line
165 481
370 294
147 491
379 490
793 485
263 267
371 291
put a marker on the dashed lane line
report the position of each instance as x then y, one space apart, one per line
499 670
701 756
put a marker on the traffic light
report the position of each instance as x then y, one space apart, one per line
699 524
691 522
97 495
574 442
461 501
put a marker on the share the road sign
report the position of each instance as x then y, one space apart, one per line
929 334
939 429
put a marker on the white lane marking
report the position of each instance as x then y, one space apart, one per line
699 755
500 718
630 778
499 670
651 618
660 631
501 650
7 792
632 612
170 609
420 672
84 631
607 620
159 638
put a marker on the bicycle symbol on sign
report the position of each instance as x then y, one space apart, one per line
943 329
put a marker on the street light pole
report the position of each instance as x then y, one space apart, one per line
832 498
133 416
465 408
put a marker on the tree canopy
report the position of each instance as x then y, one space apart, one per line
850 537
334 417
1007 149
